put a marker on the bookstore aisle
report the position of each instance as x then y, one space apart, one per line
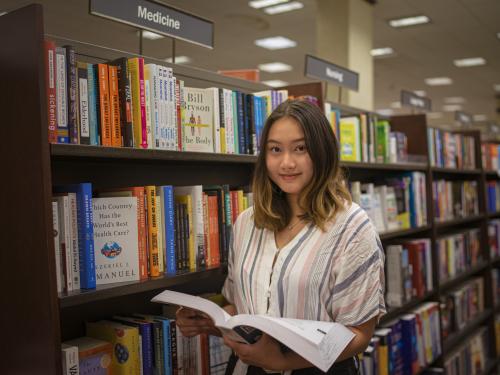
123 175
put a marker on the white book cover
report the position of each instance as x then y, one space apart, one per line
147 97
216 128
61 88
57 248
318 342
154 91
69 358
65 242
228 113
115 239
172 108
197 120
74 240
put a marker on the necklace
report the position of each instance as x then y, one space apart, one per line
290 227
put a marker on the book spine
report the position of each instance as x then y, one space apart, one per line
178 114
93 121
83 104
61 96
104 107
147 103
74 240
169 229
241 124
70 364
50 84
142 103
57 247
138 192
71 77
220 130
160 222
125 101
152 231
235 123
114 101
133 68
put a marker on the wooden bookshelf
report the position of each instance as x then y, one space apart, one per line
458 337
405 232
452 171
459 279
460 221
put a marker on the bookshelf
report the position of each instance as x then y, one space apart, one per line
38 318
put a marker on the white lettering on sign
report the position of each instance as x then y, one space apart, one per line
335 74
158 17
417 102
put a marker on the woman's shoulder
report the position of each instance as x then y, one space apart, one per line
245 217
354 219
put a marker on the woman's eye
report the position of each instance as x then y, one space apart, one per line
301 148
274 149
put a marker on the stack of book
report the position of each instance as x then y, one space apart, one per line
451 150
455 199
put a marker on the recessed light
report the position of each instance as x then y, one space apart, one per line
275 83
385 111
275 67
282 8
409 21
257 4
276 42
471 61
452 107
179 60
150 35
496 87
438 81
384 51
434 115
396 105
420 92
454 100
480 117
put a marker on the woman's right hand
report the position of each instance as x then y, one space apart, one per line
192 323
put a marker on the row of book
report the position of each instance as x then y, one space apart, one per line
494 238
490 153
130 234
495 285
408 271
128 103
455 199
394 203
451 150
142 344
471 358
461 305
405 345
493 196
458 253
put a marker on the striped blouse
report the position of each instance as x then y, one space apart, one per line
336 275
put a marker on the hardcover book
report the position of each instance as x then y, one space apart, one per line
197 120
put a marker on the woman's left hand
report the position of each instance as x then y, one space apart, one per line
265 353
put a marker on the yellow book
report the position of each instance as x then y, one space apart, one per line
125 341
186 199
383 351
160 219
148 83
350 148
241 204
136 67
154 261
245 202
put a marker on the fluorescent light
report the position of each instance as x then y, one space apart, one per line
257 4
454 100
179 60
277 42
496 87
498 35
275 83
282 8
409 21
420 92
2 13
379 52
438 81
150 35
480 117
275 67
452 107
396 105
434 115
385 111
471 61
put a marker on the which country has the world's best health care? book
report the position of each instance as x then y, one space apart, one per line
318 342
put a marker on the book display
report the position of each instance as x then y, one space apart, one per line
127 189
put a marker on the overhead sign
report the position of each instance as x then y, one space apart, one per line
463 118
410 99
158 18
327 71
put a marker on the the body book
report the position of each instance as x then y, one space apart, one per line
318 342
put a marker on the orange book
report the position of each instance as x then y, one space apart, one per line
104 107
114 102
213 220
141 223
154 253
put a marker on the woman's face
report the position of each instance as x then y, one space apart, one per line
287 160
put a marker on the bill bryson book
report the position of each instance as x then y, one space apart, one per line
115 239
318 342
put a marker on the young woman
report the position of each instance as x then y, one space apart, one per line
304 250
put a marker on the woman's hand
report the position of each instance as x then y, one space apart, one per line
265 353
192 323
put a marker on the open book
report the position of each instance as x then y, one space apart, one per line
318 342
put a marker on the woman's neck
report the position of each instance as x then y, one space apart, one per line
293 203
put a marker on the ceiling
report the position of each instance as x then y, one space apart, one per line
458 29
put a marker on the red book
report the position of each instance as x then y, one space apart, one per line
142 97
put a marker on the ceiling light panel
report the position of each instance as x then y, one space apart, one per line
454 100
496 87
480 117
257 4
150 35
434 115
277 42
471 61
385 111
420 92
409 21
275 67
452 107
438 81
275 83
379 52
282 8
179 60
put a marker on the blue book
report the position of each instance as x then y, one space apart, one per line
85 231
166 345
167 193
91 87
409 348
146 333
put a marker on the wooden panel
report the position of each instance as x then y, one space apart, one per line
415 128
29 299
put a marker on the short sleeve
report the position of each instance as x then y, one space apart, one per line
358 291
